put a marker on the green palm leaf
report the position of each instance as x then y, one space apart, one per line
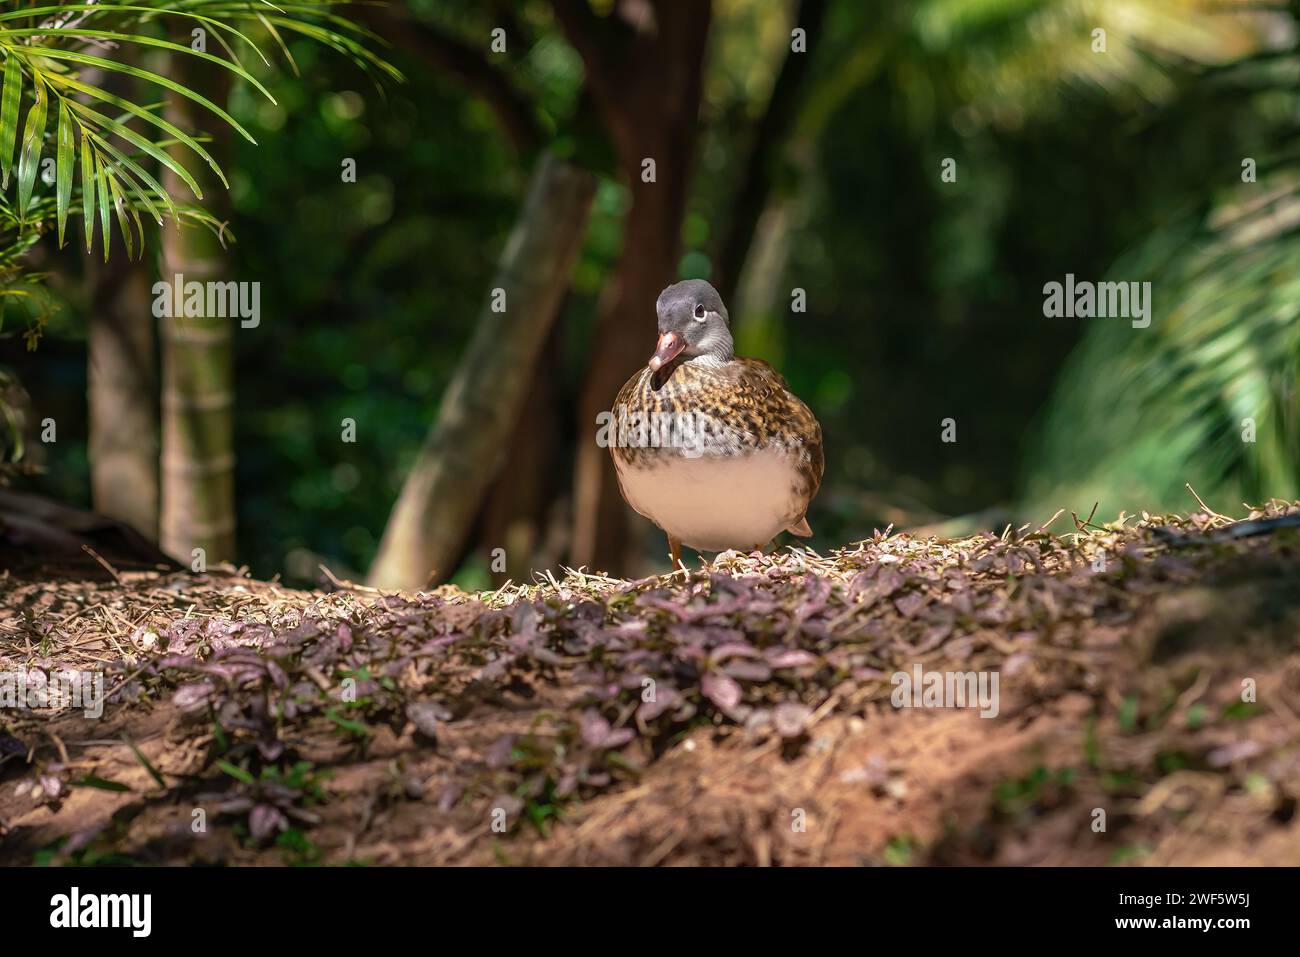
13 89
121 155
140 142
101 10
121 207
143 41
29 157
102 176
63 170
88 191
148 116
128 70
126 167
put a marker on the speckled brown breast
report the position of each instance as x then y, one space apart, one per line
747 397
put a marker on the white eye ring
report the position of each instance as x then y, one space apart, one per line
699 312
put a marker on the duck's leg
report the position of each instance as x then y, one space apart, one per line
675 551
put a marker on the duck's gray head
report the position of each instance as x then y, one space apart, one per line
693 322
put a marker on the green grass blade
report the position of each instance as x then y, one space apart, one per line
236 772
102 784
148 766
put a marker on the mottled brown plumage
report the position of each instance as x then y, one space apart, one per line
700 435
748 395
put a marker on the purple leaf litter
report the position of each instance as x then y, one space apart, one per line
790 718
722 690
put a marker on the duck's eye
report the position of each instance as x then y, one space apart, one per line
699 312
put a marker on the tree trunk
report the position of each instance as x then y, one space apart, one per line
521 505
122 373
122 379
644 77
766 152
485 400
198 448
624 339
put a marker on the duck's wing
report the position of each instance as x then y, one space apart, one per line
634 398
633 395
785 418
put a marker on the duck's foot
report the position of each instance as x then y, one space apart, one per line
675 551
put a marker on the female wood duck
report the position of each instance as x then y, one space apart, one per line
712 447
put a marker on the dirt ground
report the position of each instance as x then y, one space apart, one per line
1147 710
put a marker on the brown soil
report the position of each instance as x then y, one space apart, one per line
513 727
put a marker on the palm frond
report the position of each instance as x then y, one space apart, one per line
1207 394
48 67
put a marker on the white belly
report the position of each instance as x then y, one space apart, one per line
713 503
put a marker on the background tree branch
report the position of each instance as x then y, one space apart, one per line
513 110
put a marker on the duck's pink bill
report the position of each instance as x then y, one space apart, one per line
669 348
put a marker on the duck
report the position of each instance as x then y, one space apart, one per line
712 447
